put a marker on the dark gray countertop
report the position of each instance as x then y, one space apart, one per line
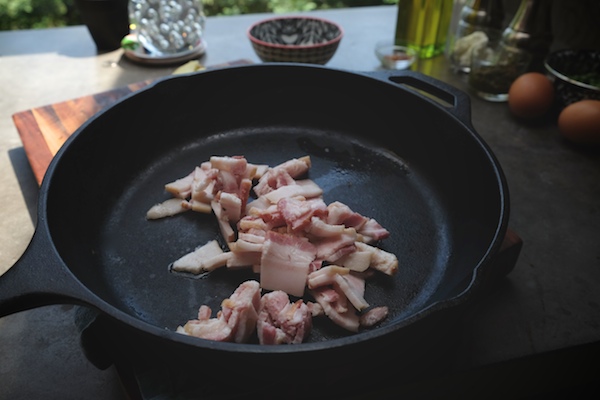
550 301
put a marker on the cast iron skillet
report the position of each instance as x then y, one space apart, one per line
387 150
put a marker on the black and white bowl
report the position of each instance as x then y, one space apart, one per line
300 39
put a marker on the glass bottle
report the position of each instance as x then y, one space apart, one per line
530 31
480 14
423 25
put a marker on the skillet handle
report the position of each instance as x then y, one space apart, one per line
453 100
40 278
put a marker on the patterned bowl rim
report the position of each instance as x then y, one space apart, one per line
563 77
295 46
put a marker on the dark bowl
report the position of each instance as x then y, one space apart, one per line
300 39
576 75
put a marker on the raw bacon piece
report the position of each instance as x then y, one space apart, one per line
340 213
252 222
280 321
320 228
335 307
282 175
285 263
358 260
203 259
325 276
209 328
381 260
231 206
333 247
297 212
353 288
273 179
372 231
234 323
236 165
373 316
167 208
224 225
203 185
296 167
239 259
197 206
241 310
181 187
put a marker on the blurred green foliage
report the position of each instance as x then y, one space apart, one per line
33 14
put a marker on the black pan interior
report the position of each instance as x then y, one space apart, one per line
380 149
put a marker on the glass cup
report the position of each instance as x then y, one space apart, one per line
494 67
167 27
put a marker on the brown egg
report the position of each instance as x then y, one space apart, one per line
531 95
580 122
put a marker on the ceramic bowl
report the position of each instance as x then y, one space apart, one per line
300 39
575 73
392 56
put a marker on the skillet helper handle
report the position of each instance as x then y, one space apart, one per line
39 278
453 100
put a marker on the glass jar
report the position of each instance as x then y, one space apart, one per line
479 22
494 67
167 27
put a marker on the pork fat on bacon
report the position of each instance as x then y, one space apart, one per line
289 236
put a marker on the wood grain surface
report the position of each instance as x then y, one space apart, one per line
43 130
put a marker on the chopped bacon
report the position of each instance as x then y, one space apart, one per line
296 167
336 308
256 205
203 185
224 225
332 248
239 259
289 236
181 187
167 208
252 222
353 288
285 263
297 212
203 259
280 321
273 179
325 276
381 260
315 309
236 165
340 213
373 316
359 260
236 321
373 231
320 228
242 245
231 206
197 206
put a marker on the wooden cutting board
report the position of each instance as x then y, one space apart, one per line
43 130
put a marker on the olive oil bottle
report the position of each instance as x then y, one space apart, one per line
423 25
